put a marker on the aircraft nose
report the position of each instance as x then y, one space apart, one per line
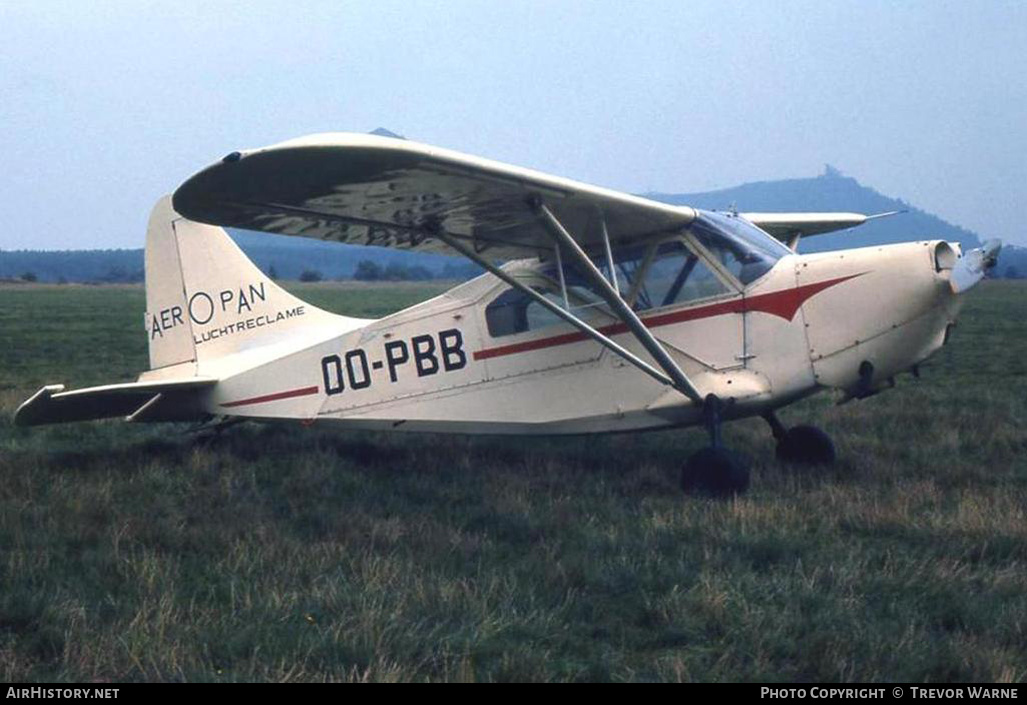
891 312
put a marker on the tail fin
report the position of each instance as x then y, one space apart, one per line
205 299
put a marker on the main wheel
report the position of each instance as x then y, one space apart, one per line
806 444
715 471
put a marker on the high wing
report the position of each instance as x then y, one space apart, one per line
785 226
170 400
372 190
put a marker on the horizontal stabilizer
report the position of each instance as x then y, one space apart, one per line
174 400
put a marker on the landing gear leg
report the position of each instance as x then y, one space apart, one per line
800 444
715 470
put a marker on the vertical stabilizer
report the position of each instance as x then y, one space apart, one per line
205 299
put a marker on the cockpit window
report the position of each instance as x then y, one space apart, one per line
742 248
660 273
514 311
674 275
509 313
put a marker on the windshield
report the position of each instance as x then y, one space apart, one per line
744 250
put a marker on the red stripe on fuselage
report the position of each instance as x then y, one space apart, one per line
783 304
305 391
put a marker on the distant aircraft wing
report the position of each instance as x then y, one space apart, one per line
785 226
373 190
138 401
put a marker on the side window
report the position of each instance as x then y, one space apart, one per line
539 316
507 314
656 275
676 275
626 263
513 311
729 257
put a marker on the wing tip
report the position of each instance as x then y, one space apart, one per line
24 415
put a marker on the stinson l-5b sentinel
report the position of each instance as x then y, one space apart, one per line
598 312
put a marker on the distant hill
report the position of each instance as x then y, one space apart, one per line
831 191
288 257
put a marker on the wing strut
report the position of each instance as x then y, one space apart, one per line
566 315
562 238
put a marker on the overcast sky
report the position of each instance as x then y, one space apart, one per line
105 106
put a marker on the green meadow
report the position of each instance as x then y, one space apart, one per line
283 553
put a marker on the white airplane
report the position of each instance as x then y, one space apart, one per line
609 312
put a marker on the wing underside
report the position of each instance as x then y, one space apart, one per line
370 190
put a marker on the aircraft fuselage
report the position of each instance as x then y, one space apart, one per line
811 322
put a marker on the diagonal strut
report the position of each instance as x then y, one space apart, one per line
559 234
566 315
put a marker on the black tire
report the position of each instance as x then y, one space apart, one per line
807 445
716 472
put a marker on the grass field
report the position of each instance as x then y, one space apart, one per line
281 553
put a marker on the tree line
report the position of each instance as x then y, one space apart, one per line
126 267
